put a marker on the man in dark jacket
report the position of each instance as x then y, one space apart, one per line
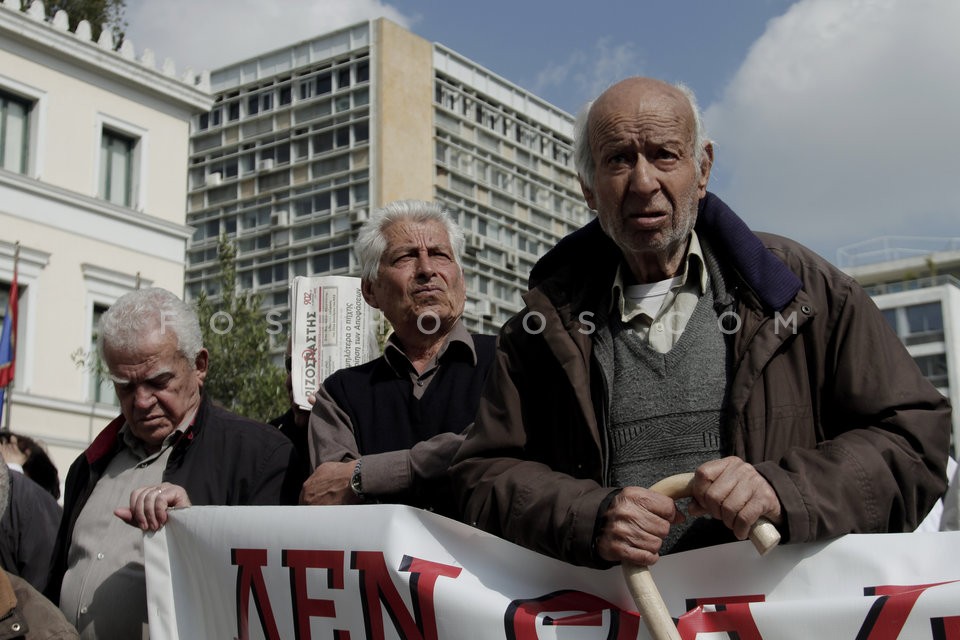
665 337
169 448
24 612
29 529
387 430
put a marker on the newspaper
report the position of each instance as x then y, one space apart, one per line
331 326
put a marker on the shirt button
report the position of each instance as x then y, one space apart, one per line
419 383
659 326
100 556
83 610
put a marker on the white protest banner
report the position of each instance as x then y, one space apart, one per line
331 327
383 571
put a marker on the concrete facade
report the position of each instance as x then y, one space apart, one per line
304 141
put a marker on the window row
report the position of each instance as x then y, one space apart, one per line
518 183
119 153
496 118
917 323
275 274
348 108
338 201
283 93
275 151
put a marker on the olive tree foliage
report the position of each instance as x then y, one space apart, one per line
99 13
241 376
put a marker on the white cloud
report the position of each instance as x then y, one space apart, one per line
587 74
207 34
842 123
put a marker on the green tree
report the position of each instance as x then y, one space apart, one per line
96 12
242 376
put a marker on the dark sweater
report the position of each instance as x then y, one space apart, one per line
386 416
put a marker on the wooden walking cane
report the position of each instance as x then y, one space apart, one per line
640 583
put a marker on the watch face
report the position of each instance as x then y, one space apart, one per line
355 483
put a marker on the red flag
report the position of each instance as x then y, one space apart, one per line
8 338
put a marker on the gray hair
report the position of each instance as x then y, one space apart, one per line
372 240
583 156
139 312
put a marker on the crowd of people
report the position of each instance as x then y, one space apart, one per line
669 338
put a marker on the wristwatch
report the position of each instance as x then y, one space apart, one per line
356 482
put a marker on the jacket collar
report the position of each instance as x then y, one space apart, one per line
107 441
588 253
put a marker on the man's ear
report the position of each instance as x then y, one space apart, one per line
706 163
366 288
202 362
587 194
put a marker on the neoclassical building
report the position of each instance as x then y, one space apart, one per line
93 163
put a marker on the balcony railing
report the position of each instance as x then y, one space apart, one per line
912 285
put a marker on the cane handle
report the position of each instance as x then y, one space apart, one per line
763 533
650 604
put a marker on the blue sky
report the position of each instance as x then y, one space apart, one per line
835 120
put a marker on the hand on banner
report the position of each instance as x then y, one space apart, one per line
734 491
635 524
330 484
149 505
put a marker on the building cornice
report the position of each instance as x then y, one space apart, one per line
75 200
30 27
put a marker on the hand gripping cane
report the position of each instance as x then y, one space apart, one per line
640 583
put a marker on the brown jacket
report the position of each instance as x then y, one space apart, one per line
25 614
835 415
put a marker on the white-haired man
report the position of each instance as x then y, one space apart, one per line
387 430
170 447
675 339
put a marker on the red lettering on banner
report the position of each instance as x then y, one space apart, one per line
250 563
377 587
520 619
945 628
734 618
304 607
890 611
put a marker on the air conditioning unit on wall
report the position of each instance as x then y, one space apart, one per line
476 243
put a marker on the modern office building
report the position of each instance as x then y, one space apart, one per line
93 165
916 283
304 141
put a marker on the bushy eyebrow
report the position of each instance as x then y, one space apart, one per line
123 381
408 248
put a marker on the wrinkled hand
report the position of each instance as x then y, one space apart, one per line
636 522
149 505
733 491
10 452
330 484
